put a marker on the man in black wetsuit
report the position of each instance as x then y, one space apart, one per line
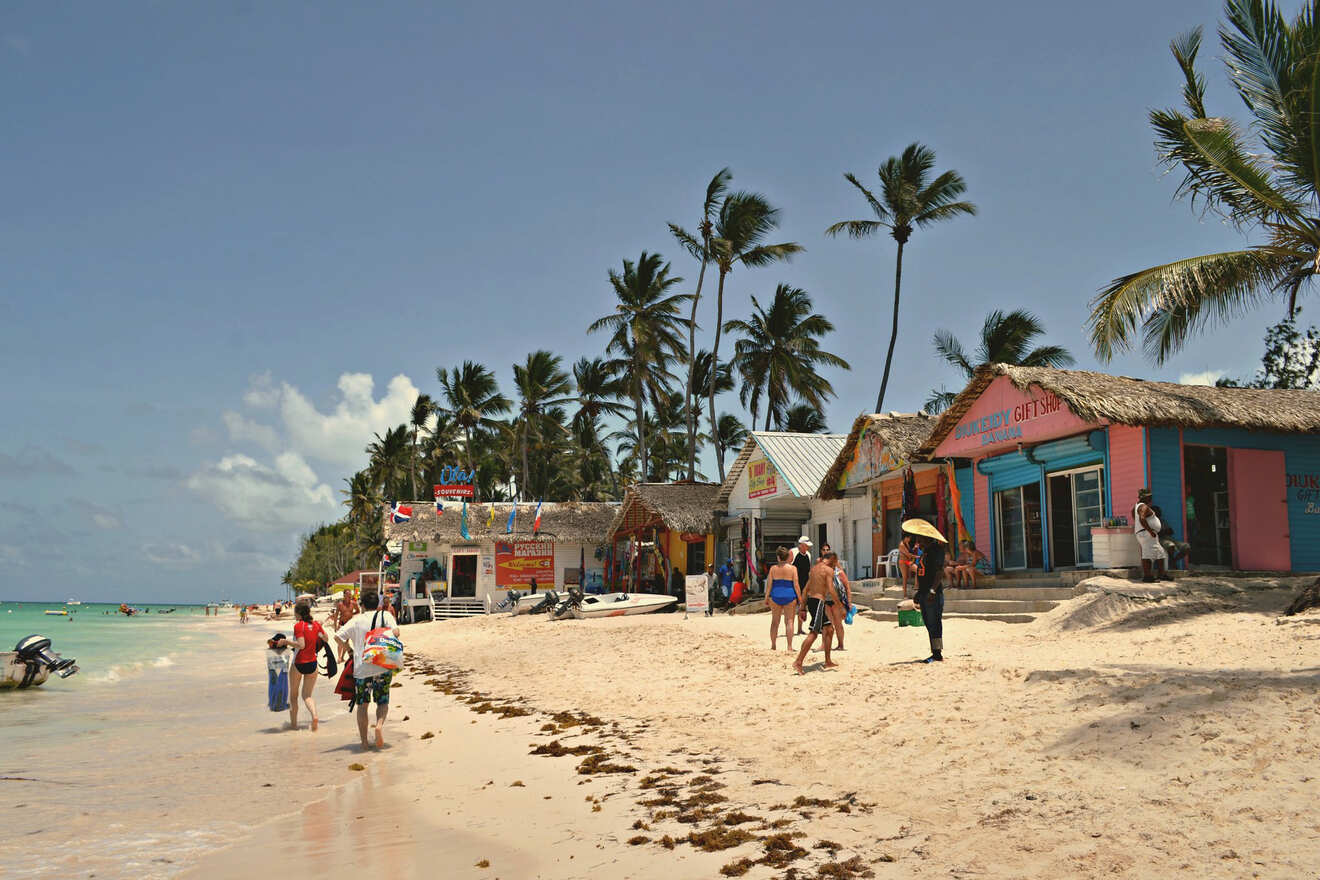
930 590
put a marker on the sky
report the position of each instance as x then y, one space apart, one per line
238 239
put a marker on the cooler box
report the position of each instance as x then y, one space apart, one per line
910 618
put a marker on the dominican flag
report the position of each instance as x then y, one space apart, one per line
462 524
439 507
513 512
536 521
401 512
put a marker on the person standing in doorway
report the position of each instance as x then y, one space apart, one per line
1147 525
930 582
802 562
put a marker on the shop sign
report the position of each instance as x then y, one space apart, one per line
517 562
761 479
1003 415
455 483
696 596
1305 488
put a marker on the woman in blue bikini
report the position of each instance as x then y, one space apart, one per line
783 593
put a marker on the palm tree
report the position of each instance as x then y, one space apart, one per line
542 384
472 400
1005 339
644 330
803 418
1261 176
704 372
422 410
908 199
699 248
361 498
598 390
390 461
730 433
778 353
743 222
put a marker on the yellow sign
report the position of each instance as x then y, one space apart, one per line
761 479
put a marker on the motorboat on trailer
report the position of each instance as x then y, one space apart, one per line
620 605
31 663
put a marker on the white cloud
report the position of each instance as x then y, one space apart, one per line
262 393
171 555
340 436
244 431
1206 377
105 520
258 496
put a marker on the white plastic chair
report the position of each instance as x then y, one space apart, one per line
890 564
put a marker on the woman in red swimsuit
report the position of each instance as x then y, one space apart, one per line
307 636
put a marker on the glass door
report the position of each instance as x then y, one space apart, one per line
1012 531
1088 509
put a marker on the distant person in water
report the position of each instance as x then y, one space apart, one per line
371 683
783 595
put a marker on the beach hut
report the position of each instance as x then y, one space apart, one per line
662 532
877 460
766 498
1059 455
470 574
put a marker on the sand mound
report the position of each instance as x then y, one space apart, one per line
1113 603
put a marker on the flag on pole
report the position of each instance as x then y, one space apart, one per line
513 512
462 523
439 507
536 520
401 512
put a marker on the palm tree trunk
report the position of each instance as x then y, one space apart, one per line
467 442
714 371
413 469
767 420
689 403
893 334
526 478
641 426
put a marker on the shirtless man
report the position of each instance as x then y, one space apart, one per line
345 609
819 592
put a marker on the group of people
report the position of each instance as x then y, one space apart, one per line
351 621
961 571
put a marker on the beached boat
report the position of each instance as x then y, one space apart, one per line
620 604
31 663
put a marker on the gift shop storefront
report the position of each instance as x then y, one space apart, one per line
1057 454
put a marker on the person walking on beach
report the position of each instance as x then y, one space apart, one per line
839 610
802 562
308 635
930 583
819 592
783 595
371 683
1147 526
345 609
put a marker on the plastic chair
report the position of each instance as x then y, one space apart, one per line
891 564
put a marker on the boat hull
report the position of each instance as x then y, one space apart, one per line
621 605
14 672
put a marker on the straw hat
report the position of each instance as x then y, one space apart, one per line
923 528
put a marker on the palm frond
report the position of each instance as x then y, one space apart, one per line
948 347
1184 48
688 242
770 253
1259 63
856 228
882 213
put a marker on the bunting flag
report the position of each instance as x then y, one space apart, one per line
439 507
536 520
401 512
462 523
490 520
513 512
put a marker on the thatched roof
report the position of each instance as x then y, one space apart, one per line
1122 400
903 434
681 507
576 522
800 459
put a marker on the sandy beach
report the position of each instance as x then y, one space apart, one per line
1126 733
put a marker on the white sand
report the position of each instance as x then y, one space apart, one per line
1120 735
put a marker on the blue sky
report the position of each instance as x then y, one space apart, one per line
239 238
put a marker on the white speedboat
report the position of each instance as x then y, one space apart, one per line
72 602
620 604
31 663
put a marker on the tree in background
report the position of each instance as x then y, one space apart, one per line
908 199
422 410
699 247
644 332
542 385
743 222
778 352
390 462
1262 177
731 433
803 418
1291 359
1005 339
472 399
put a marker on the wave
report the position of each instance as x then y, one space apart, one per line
118 671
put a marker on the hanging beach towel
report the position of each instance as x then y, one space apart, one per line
277 686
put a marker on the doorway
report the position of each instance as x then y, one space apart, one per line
1076 506
696 557
1209 527
1021 541
463 585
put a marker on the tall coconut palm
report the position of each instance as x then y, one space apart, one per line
542 384
778 353
389 465
732 433
699 247
599 390
803 418
909 199
644 330
1264 176
422 410
362 498
744 220
1005 339
472 401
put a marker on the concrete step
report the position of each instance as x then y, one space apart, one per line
1017 594
979 606
892 617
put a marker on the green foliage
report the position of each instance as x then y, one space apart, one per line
1291 359
1005 339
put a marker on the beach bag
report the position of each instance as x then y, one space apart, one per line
381 647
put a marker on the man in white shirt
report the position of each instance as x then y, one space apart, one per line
371 682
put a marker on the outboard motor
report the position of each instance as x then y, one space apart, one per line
34 651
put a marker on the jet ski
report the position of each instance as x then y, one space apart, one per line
31 663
